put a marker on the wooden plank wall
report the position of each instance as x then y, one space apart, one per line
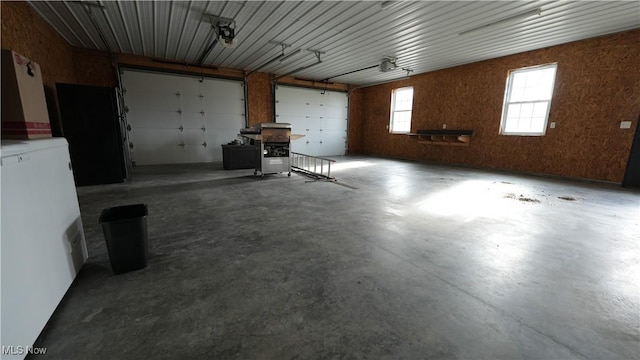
25 32
94 67
356 122
597 86
260 98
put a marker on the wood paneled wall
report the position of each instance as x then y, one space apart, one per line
260 98
25 32
597 86
355 130
94 67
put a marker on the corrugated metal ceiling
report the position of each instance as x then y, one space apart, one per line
422 35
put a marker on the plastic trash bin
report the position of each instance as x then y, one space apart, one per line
125 232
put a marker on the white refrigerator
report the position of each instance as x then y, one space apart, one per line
42 243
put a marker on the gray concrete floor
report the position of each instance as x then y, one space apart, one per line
407 261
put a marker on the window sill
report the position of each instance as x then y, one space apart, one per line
523 134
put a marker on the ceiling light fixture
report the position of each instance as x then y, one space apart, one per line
503 21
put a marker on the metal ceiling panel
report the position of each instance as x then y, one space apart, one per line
68 25
422 35
260 51
262 34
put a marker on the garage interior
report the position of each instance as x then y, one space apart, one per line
451 237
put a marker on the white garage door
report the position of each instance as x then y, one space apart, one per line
319 115
177 119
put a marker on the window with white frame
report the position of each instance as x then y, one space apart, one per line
401 104
527 100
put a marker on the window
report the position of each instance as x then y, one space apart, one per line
401 103
527 100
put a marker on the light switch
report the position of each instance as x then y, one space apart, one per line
444 126
625 124
552 125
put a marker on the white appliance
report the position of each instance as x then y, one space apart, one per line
42 244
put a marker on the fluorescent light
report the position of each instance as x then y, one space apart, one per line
507 20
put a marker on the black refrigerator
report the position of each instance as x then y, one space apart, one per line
92 124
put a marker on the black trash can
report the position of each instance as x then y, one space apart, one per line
125 231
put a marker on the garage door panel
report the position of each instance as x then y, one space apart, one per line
333 142
223 89
192 137
308 134
155 120
316 115
299 128
191 120
199 154
298 124
218 106
158 154
299 145
214 140
307 145
288 93
191 103
334 111
314 123
151 101
136 81
339 124
147 136
293 108
334 99
189 87
225 122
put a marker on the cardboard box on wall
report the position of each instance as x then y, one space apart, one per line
24 107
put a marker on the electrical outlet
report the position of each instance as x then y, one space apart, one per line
625 124
444 126
552 125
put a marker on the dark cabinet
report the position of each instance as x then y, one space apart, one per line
238 157
90 122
